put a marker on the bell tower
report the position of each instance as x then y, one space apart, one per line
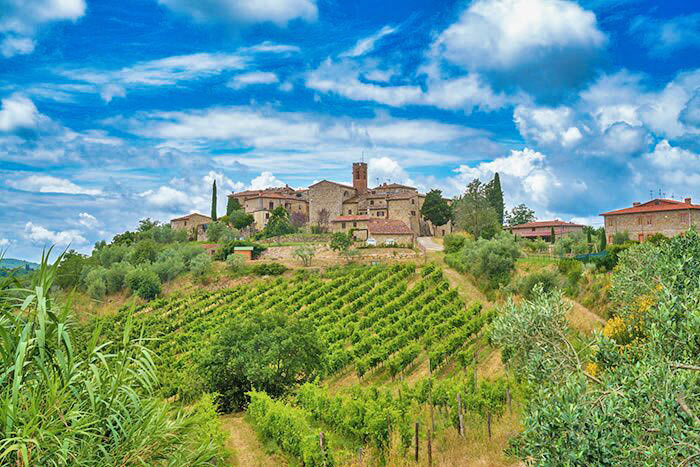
359 177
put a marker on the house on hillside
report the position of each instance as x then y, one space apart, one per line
375 231
543 229
261 203
195 224
658 216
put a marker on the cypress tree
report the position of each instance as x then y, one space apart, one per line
213 202
603 241
494 193
551 234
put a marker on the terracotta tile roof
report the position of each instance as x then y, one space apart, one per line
189 216
388 227
554 223
350 218
529 234
399 196
655 205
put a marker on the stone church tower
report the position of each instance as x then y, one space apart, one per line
359 177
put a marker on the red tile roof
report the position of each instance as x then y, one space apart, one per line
350 218
388 227
189 216
655 205
554 223
546 233
392 185
334 183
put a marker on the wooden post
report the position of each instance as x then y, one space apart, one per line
461 416
432 415
430 451
488 422
320 443
416 441
510 405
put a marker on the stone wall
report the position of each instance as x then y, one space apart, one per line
406 210
187 224
640 226
398 239
329 196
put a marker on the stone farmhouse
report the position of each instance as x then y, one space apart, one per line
327 202
380 231
543 229
658 216
195 224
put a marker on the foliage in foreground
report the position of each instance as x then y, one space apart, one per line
62 407
632 395
491 262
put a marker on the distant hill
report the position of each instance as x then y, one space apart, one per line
10 263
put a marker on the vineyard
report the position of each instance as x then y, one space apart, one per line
376 322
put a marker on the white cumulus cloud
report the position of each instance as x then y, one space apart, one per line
88 220
265 180
50 184
41 235
18 111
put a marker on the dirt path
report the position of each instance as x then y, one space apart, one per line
244 444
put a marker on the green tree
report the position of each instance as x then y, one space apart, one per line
494 194
278 224
621 237
213 201
240 219
232 205
474 213
305 253
144 282
520 214
552 236
603 240
436 209
69 269
341 242
145 251
269 351
147 224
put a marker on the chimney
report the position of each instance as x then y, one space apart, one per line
687 201
636 203
359 177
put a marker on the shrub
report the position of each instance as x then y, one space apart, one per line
269 269
620 238
168 267
305 253
491 262
341 242
612 253
144 282
144 252
201 266
235 263
535 246
454 242
116 276
95 282
546 281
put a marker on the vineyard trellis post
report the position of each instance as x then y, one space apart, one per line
461 416
488 423
508 399
430 450
323 451
416 441
432 415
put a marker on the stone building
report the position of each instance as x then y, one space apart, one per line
377 231
261 203
543 229
658 216
195 224
327 201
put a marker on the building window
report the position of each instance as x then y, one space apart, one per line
639 220
381 213
413 201
371 202
611 222
267 215
413 213
354 224
641 238
533 229
185 223
349 211
649 220
342 225
272 205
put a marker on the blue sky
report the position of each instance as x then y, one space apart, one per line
114 111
